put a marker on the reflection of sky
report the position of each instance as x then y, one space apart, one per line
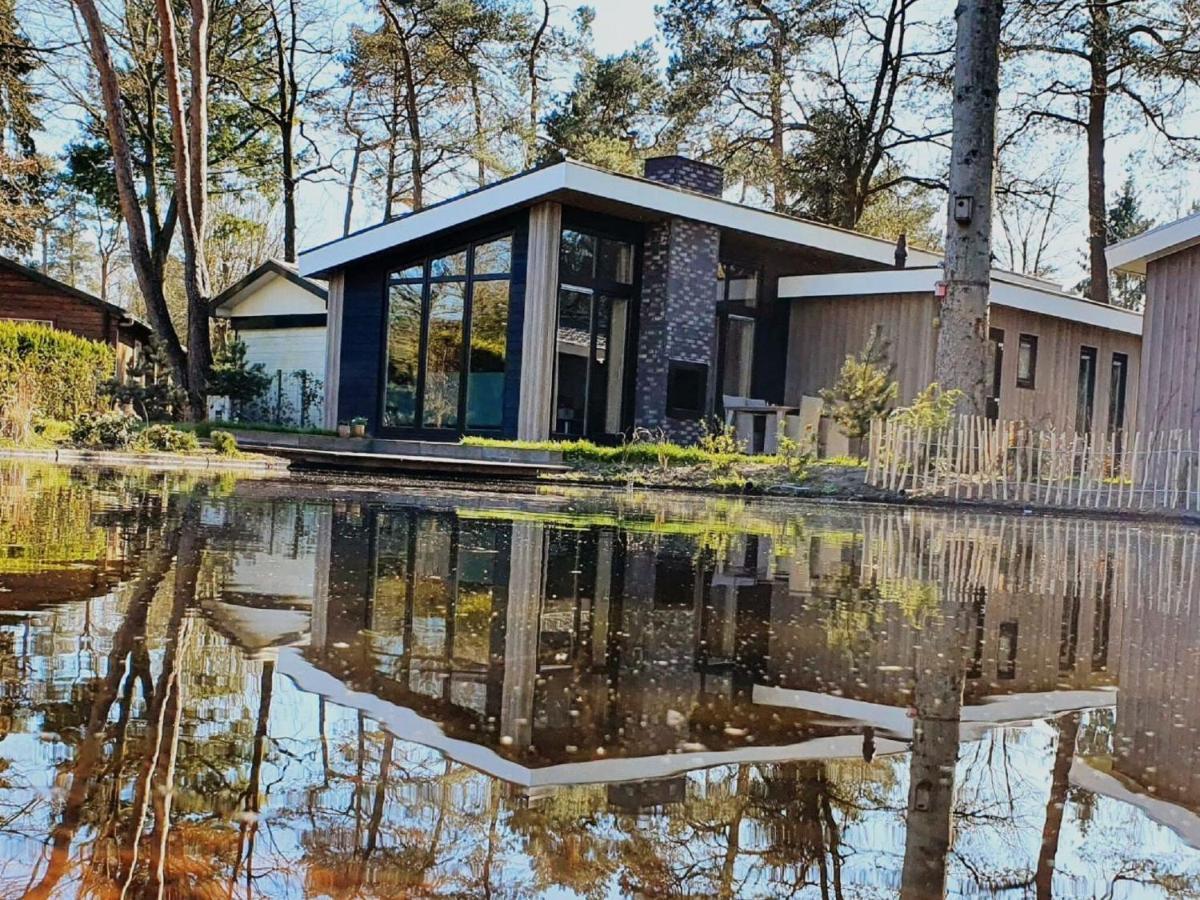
311 825
1003 781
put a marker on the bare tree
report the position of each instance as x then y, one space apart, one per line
1098 59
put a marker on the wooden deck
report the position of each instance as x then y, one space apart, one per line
410 458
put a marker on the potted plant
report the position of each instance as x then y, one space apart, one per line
343 429
358 427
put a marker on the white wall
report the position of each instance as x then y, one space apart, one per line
289 349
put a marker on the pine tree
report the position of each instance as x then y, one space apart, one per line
864 390
148 387
232 376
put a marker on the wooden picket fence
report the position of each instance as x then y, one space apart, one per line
980 459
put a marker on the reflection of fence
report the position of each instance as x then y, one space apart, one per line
292 398
978 459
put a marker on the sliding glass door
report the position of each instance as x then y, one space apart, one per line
595 292
446 347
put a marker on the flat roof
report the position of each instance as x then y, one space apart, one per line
570 177
1014 292
1132 254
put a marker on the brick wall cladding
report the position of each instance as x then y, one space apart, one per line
678 316
686 173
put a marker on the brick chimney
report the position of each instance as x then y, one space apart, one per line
689 174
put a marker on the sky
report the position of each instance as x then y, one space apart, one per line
620 24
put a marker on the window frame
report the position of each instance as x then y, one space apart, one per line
595 288
1028 382
728 309
468 280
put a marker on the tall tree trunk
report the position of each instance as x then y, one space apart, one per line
189 132
1068 734
962 347
351 184
1097 189
145 267
938 700
535 46
285 75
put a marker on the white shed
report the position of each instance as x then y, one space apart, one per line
280 316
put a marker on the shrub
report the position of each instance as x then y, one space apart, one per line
64 372
864 390
224 443
104 431
18 406
932 408
796 455
165 439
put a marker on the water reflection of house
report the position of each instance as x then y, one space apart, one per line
271 563
553 647
545 651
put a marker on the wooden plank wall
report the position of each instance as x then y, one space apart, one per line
823 331
24 298
1052 401
1170 397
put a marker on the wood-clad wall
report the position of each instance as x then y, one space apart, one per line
1170 395
1052 402
824 331
27 298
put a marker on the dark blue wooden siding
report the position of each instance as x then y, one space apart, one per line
364 324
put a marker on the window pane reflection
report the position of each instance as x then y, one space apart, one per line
403 355
443 356
577 257
494 258
489 341
452 266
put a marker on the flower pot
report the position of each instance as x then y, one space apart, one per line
343 431
358 430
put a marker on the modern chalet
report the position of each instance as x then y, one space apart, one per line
570 301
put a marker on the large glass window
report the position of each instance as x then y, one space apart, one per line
596 278
737 312
447 340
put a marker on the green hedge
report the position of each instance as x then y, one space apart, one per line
67 370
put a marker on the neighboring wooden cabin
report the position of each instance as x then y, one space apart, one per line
1059 361
27 295
1169 258
280 317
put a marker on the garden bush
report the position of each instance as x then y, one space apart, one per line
104 431
224 443
165 439
61 371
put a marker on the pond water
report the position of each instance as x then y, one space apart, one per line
310 688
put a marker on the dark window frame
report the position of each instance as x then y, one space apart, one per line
1029 382
735 309
1086 421
419 429
1118 403
597 287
